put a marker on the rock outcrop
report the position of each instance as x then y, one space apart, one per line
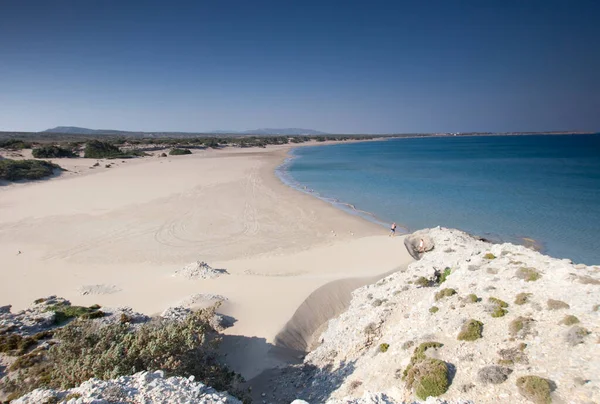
390 333
143 387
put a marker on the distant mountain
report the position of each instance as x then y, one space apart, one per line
284 131
85 131
74 130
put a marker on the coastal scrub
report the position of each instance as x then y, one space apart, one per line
535 389
444 293
470 331
15 170
428 376
528 274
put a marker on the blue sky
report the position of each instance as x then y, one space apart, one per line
336 66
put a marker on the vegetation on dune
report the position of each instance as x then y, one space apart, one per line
522 298
86 349
48 152
528 274
179 152
428 376
569 320
66 312
521 327
15 144
470 331
472 298
498 307
96 149
557 304
15 170
444 293
535 389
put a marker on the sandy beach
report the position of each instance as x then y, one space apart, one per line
116 236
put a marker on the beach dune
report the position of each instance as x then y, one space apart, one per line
128 229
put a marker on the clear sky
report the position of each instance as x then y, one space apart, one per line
336 66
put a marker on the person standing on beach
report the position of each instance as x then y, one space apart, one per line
393 230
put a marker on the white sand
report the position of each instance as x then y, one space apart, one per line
133 225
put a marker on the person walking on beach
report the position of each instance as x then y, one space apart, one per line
393 230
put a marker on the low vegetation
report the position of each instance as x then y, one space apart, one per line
489 256
384 347
179 152
96 149
521 327
569 320
15 170
528 274
444 293
65 312
497 307
16 345
472 298
422 282
86 349
522 298
48 152
470 331
444 275
15 144
434 309
428 376
535 389
557 304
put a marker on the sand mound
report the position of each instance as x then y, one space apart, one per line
101 289
199 270
201 300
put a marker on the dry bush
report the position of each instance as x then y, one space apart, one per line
493 374
557 305
528 274
521 327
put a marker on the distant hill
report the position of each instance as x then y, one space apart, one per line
74 130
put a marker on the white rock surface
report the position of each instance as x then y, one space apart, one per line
143 387
199 270
395 311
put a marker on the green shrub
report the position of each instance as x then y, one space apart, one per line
18 345
444 276
384 347
65 311
557 304
472 298
14 170
522 298
498 302
15 144
429 376
471 331
433 309
423 282
535 389
88 349
521 327
528 274
489 256
498 311
95 149
179 152
48 152
444 293
569 320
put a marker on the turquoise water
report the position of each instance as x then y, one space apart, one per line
502 187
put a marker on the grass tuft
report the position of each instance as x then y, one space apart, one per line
522 298
569 320
470 331
444 293
535 389
489 256
528 274
434 309
384 347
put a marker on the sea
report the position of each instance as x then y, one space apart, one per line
540 190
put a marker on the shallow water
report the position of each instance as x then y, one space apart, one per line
544 187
